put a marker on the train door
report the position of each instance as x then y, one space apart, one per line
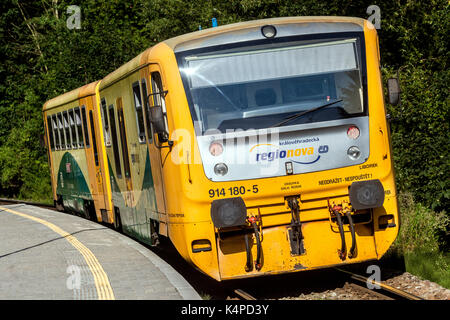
152 87
92 157
96 148
125 156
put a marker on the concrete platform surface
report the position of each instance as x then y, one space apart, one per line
50 255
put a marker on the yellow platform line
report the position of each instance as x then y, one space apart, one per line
104 289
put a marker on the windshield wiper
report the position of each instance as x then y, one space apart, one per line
298 115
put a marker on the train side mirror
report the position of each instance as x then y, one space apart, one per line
157 120
393 91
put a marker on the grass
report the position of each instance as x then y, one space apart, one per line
433 266
419 241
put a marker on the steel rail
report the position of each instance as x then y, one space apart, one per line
244 294
361 287
385 287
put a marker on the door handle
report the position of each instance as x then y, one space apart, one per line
385 142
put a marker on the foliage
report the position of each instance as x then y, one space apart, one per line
420 227
433 266
41 58
421 244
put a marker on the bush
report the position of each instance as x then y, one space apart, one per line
420 228
420 134
419 247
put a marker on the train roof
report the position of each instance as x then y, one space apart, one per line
84 91
212 36
125 69
203 37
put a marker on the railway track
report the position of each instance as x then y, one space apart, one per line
244 295
385 292
356 283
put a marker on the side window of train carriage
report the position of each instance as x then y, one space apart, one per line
106 129
158 95
123 138
67 130
79 127
147 111
73 130
85 130
139 111
115 145
56 132
62 134
50 133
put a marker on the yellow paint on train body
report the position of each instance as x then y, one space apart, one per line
180 183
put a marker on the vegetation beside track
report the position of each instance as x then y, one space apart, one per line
422 241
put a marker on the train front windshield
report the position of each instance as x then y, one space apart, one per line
263 86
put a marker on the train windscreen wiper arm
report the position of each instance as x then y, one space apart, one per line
298 115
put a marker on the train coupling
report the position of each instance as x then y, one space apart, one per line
295 228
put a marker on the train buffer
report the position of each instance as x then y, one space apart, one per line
49 255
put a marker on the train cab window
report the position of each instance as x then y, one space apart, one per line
146 110
112 121
85 130
56 132
61 131
67 130
73 130
139 111
106 130
50 133
158 95
79 127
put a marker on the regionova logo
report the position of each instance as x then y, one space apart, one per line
266 152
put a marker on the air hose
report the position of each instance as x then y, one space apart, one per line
351 253
258 247
342 253
258 265
248 266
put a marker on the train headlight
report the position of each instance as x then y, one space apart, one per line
353 132
366 194
221 169
228 212
269 31
353 153
215 149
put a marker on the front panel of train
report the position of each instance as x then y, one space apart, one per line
289 123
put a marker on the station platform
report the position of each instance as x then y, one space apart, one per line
50 255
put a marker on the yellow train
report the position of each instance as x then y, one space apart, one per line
258 148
